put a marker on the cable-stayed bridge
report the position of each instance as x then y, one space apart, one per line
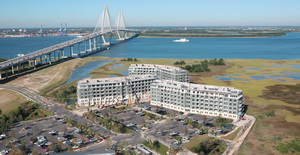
96 41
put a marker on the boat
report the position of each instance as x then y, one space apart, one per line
181 40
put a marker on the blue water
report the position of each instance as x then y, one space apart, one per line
83 71
280 48
277 48
286 74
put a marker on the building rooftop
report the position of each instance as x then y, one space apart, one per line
198 87
114 79
171 68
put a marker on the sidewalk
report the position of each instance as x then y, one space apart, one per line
237 142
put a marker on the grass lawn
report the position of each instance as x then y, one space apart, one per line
162 149
195 141
10 100
233 135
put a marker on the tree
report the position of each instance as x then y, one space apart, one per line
59 144
90 131
156 145
97 135
70 149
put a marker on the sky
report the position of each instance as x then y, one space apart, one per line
86 13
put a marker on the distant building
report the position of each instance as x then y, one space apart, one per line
198 99
162 72
107 91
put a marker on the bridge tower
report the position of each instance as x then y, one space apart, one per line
41 31
65 30
121 27
60 30
104 25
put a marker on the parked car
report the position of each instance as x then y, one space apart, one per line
2 136
77 130
200 132
146 108
176 142
53 132
4 152
75 147
174 133
131 125
93 139
60 138
185 140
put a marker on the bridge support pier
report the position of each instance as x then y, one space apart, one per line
95 44
54 53
78 49
18 68
12 70
71 51
49 58
35 63
90 44
63 53
6 73
41 60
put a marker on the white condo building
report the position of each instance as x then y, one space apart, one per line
108 91
162 72
198 99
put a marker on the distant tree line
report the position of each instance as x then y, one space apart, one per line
203 65
26 111
130 59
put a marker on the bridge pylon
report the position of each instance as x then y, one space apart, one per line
104 25
121 27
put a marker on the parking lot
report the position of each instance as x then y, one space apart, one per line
46 131
168 126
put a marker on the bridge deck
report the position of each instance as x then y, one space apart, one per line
45 51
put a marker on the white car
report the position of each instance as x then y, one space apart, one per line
53 132
199 132
130 125
4 152
3 135
75 147
79 141
77 130
93 140
185 141
176 142
60 138
174 133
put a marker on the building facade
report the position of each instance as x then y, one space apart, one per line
107 91
198 99
162 72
